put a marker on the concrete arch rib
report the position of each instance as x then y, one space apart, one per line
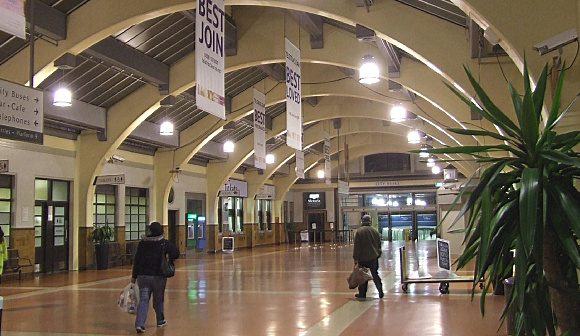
315 135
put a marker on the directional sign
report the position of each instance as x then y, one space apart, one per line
21 113
109 179
3 166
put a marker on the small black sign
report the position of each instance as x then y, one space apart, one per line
228 244
443 254
314 200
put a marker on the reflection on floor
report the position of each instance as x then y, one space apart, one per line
273 290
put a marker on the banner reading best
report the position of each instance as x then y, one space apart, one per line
327 167
293 97
259 130
209 57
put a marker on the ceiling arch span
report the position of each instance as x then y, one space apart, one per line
315 135
284 183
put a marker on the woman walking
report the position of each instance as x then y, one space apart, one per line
147 271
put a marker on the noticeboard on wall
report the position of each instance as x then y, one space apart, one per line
314 200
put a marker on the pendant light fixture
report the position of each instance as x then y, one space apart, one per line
229 146
320 174
398 113
166 127
431 162
435 169
414 137
270 158
63 96
369 71
423 154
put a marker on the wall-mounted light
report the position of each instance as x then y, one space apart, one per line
414 137
166 128
270 158
369 71
398 113
320 173
435 169
229 146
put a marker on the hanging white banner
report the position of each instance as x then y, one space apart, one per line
293 97
300 164
327 166
12 18
259 130
209 57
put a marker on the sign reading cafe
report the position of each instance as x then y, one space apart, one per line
209 57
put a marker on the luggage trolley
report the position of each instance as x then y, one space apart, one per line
443 278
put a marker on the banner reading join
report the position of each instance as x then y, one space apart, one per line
209 57
259 130
293 97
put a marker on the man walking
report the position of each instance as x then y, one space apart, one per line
367 251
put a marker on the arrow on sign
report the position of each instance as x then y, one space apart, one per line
36 99
35 123
36 111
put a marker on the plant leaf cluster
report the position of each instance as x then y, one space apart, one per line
102 234
519 196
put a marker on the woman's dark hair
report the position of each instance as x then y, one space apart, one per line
1 235
156 229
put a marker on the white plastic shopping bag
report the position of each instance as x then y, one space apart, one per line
129 298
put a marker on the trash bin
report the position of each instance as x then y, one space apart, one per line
508 285
304 236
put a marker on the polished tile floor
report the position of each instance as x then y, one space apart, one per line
273 290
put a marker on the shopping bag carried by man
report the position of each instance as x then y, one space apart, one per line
129 298
358 276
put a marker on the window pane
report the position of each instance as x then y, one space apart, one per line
110 209
101 198
59 211
41 189
5 218
4 206
37 242
59 191
5 193
111 199
111 220
142 218
142 201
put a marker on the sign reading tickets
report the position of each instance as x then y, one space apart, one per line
21 113
209 57
12 19
259 130
293 97
300 164
327 167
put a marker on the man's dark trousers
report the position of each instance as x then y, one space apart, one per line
373 265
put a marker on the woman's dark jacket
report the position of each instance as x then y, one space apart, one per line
148 256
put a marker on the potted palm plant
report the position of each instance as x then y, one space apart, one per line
101 236
526 201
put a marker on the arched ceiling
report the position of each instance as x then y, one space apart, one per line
432 52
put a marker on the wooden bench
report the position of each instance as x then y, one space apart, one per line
16 263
